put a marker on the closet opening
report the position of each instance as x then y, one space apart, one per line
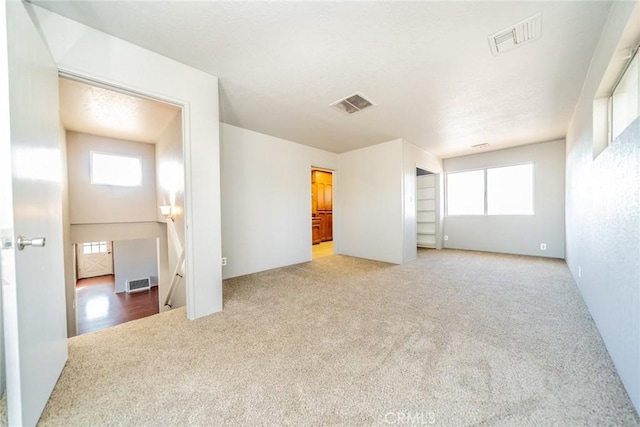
426 208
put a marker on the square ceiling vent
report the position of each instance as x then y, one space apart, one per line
523 32
353 104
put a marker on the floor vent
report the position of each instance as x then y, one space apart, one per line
138 285
353 104
523 32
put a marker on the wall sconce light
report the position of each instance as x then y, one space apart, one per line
169 212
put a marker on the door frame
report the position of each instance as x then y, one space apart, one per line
86 78
70 285
86 53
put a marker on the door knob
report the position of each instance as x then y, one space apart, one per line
22 242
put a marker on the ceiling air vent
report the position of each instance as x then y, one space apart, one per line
352 104
523 32
480 146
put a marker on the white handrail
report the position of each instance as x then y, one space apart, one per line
178 272
175 279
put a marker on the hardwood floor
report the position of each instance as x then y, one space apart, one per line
99 307
323 249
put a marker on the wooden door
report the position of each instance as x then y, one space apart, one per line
322 202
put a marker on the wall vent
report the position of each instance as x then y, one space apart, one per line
353 104
523 32
138 285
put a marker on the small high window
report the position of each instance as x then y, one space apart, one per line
617 101
116 169
625 99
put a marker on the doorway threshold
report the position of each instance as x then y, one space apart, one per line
322 250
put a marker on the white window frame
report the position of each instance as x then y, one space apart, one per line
610 113
602 111
91 167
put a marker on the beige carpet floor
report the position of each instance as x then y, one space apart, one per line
454 339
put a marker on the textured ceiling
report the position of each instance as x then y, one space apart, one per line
99 111
427 65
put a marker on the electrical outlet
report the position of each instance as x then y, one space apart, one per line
224 260
543 246
579 272
446 237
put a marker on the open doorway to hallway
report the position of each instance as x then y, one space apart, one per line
125 168
321 212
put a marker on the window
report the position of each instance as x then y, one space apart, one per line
510 190
115 169
94 248
465 193
625 99
617 102
494 191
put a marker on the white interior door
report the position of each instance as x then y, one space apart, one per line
33 298
94 259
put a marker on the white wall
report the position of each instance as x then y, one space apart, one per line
119 231
170 192
515 234
603 217
371 198
5 152
83 51
95 204
414 157
134 259
266 200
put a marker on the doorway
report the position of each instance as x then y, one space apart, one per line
105 300
426 209
321 212
94 259
111 135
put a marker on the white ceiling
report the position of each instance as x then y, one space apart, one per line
427 65
99 111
